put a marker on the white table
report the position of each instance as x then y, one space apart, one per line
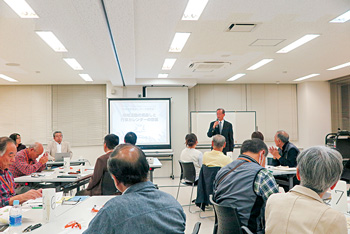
156 164
52 177
289 173
164 155
80 212
60 163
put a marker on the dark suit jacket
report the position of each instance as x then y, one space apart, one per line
95 184
227 132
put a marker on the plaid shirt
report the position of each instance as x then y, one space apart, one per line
265 184
25 166
5 192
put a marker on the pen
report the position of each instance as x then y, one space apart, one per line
31 227
35 226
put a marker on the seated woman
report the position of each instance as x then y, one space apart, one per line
18 141
257 135
190 154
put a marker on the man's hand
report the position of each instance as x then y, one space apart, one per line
215 124
274 152
44 158
31 194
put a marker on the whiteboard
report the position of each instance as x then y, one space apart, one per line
243 122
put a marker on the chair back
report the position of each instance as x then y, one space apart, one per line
108 186
205 185
196 228
188 172
226 219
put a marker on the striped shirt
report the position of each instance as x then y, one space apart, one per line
5 188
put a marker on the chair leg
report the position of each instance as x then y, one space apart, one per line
189 206
204 217
178 189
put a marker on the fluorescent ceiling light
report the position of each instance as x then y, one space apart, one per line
297 43
260 64
86 77
342 18
52 41
168 63
194 9
163 75
339 66
73 63
7 78
179 42
306 77
22 8
237 76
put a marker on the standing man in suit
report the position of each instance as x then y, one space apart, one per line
58 146
222 127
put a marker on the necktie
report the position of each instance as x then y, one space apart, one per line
220 126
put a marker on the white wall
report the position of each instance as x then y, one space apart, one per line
275 105
314 113
179 123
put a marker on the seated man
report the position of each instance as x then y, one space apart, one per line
26 163
246 185
302 210
58 146
286 154
142 208
216 158
95 184
130 138
7 189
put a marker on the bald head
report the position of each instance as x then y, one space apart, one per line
128 164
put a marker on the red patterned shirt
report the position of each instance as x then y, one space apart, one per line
23 165
7 188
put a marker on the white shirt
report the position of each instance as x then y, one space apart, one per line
59 148
192 155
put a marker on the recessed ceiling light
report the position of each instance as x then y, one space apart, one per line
194 9
168 63
86 77
297 43
12 64
163 75
22 8
73 63
339 66
342 18
237 76
179 42
260 64
52 41
7 78
306 77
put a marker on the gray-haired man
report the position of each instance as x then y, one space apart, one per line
216 158
286 154
302 210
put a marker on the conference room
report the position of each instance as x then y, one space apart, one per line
284 64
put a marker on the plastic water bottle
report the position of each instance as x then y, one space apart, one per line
16 214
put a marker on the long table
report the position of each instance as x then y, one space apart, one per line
163 155
80 212
290 173
61 184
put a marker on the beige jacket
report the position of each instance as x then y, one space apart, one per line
52 148
301 210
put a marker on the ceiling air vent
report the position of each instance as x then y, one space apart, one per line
207 66
241 27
